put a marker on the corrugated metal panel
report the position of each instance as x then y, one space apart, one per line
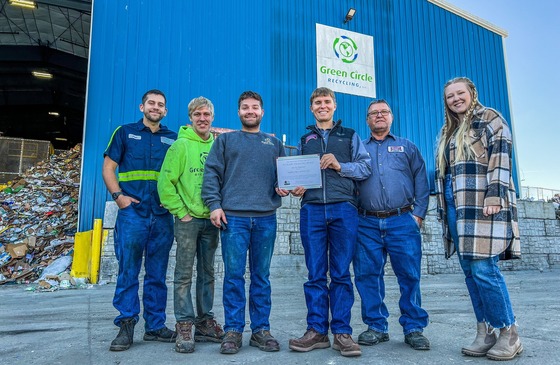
430 46
294 59
216 48
470 17
220 48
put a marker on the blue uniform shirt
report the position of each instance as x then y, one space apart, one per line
139 154
398 179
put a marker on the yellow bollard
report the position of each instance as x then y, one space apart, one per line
96 250
82 253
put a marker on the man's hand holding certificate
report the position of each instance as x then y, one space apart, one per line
303 171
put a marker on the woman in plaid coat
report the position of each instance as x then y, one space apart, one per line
477 207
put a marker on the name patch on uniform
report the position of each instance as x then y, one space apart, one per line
395 148
166 140
134 136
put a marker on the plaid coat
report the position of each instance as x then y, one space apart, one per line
484 181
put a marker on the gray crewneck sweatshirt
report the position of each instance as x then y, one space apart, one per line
240 174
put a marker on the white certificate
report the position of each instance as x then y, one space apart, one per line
294 171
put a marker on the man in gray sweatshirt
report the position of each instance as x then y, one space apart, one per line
239 188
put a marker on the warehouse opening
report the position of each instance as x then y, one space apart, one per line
44 49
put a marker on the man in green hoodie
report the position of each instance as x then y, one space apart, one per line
179 188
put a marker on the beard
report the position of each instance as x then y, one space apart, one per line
153 119
251 123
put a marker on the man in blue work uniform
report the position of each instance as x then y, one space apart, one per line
328 225
143 226
393 203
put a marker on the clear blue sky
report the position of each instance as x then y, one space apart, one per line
532 58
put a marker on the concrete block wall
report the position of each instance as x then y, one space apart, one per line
540 243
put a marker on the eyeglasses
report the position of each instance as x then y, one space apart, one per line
375 113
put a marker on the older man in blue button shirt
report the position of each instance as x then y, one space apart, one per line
393 202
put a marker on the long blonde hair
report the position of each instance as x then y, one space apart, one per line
455 126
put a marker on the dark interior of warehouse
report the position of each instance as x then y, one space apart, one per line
43 69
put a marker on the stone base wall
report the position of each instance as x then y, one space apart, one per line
540 243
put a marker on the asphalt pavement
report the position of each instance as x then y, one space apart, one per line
75 326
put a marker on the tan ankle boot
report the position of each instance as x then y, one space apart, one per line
485 338
507 346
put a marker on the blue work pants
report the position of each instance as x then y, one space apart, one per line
151 237
328 235
399 236
254 236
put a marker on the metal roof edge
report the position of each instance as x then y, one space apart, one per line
473 18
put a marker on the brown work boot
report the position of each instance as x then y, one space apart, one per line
184 342
346 345
311 340
208 330
507 346
485 338
264 341
231 343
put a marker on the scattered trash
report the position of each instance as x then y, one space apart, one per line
58 266
38 220
62 281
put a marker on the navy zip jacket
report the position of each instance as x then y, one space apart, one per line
346 146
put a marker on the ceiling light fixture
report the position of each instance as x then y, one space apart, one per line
56 114
42 74
28 4
61 139
349 15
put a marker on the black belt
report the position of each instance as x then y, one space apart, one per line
387 214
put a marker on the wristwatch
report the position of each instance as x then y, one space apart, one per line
116 195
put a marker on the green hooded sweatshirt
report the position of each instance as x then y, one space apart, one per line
180 178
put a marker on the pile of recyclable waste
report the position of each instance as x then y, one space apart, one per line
38 219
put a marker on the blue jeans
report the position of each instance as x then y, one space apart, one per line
196 238
255 235
399 236
328 235
151 237
485 283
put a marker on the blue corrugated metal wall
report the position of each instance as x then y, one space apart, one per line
220 48
429 46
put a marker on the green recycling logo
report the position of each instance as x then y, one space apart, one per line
203 156
345 49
